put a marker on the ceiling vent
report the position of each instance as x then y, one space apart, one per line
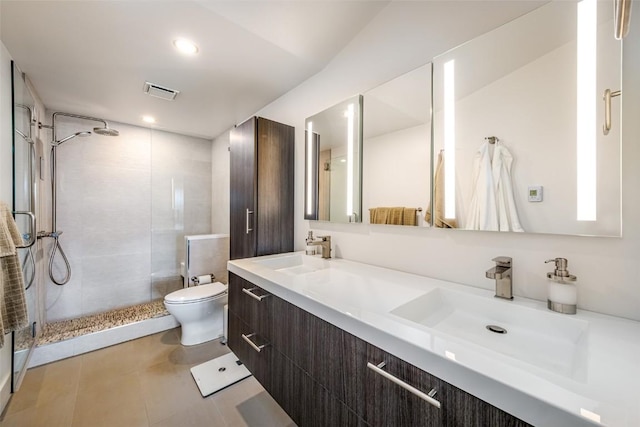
158 91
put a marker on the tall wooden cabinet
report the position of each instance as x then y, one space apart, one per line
262 174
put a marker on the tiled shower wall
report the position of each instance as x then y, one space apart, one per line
125 204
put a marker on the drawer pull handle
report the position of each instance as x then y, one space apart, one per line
426 397
247 338
252 295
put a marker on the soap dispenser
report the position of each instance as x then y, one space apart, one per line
563 292
310 250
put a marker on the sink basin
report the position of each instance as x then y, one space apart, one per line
550 341
294 264
353 294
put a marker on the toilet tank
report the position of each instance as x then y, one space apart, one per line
206 254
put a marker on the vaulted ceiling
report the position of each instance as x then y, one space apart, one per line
93 57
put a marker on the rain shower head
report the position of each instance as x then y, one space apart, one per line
106 131
65 139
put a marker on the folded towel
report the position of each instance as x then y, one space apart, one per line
409 216
395 215
13 308
379 215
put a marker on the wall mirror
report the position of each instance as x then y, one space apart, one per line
397 150
518 118
333 163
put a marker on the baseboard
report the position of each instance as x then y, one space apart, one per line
83 344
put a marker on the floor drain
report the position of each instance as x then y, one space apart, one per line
496 329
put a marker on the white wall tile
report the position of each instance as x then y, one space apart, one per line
220 184
120 294
112 193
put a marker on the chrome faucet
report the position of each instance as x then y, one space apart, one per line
502 274
324 242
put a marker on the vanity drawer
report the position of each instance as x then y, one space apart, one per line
382 401
306 401
252 304
257 362
379 400
311 343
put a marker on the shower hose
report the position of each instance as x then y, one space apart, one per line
54 250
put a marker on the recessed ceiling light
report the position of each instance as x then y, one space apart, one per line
185 46
148 119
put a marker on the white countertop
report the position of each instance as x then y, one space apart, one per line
598 379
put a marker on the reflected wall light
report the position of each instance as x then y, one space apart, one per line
586 110
312 152
349 114
449 140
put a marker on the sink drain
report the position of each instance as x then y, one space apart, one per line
497 329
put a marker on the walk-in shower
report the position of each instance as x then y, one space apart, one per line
55 143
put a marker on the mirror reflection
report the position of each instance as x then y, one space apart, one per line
333 163
519 116
397 150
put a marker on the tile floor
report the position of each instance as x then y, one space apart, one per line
144 382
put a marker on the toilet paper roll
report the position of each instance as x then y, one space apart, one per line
203 280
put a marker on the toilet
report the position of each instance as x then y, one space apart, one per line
199 310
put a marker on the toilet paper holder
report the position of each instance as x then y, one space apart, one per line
205 278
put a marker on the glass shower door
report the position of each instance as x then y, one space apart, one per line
24 206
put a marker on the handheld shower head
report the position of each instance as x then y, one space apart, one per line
65 139
106 131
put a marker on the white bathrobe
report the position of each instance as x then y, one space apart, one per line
492 205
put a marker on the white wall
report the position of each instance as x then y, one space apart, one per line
607 268
6 173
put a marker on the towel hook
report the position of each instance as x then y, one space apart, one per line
492 139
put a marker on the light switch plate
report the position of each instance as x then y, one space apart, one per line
535 193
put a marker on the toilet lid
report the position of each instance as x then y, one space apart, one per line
196 293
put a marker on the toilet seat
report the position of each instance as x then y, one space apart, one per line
196 293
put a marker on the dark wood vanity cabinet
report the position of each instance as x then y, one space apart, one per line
318 373
261 188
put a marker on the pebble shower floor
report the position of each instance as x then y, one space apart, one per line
66 329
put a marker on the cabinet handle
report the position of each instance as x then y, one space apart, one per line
608 94
424 396
247 338
249 212
252 295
